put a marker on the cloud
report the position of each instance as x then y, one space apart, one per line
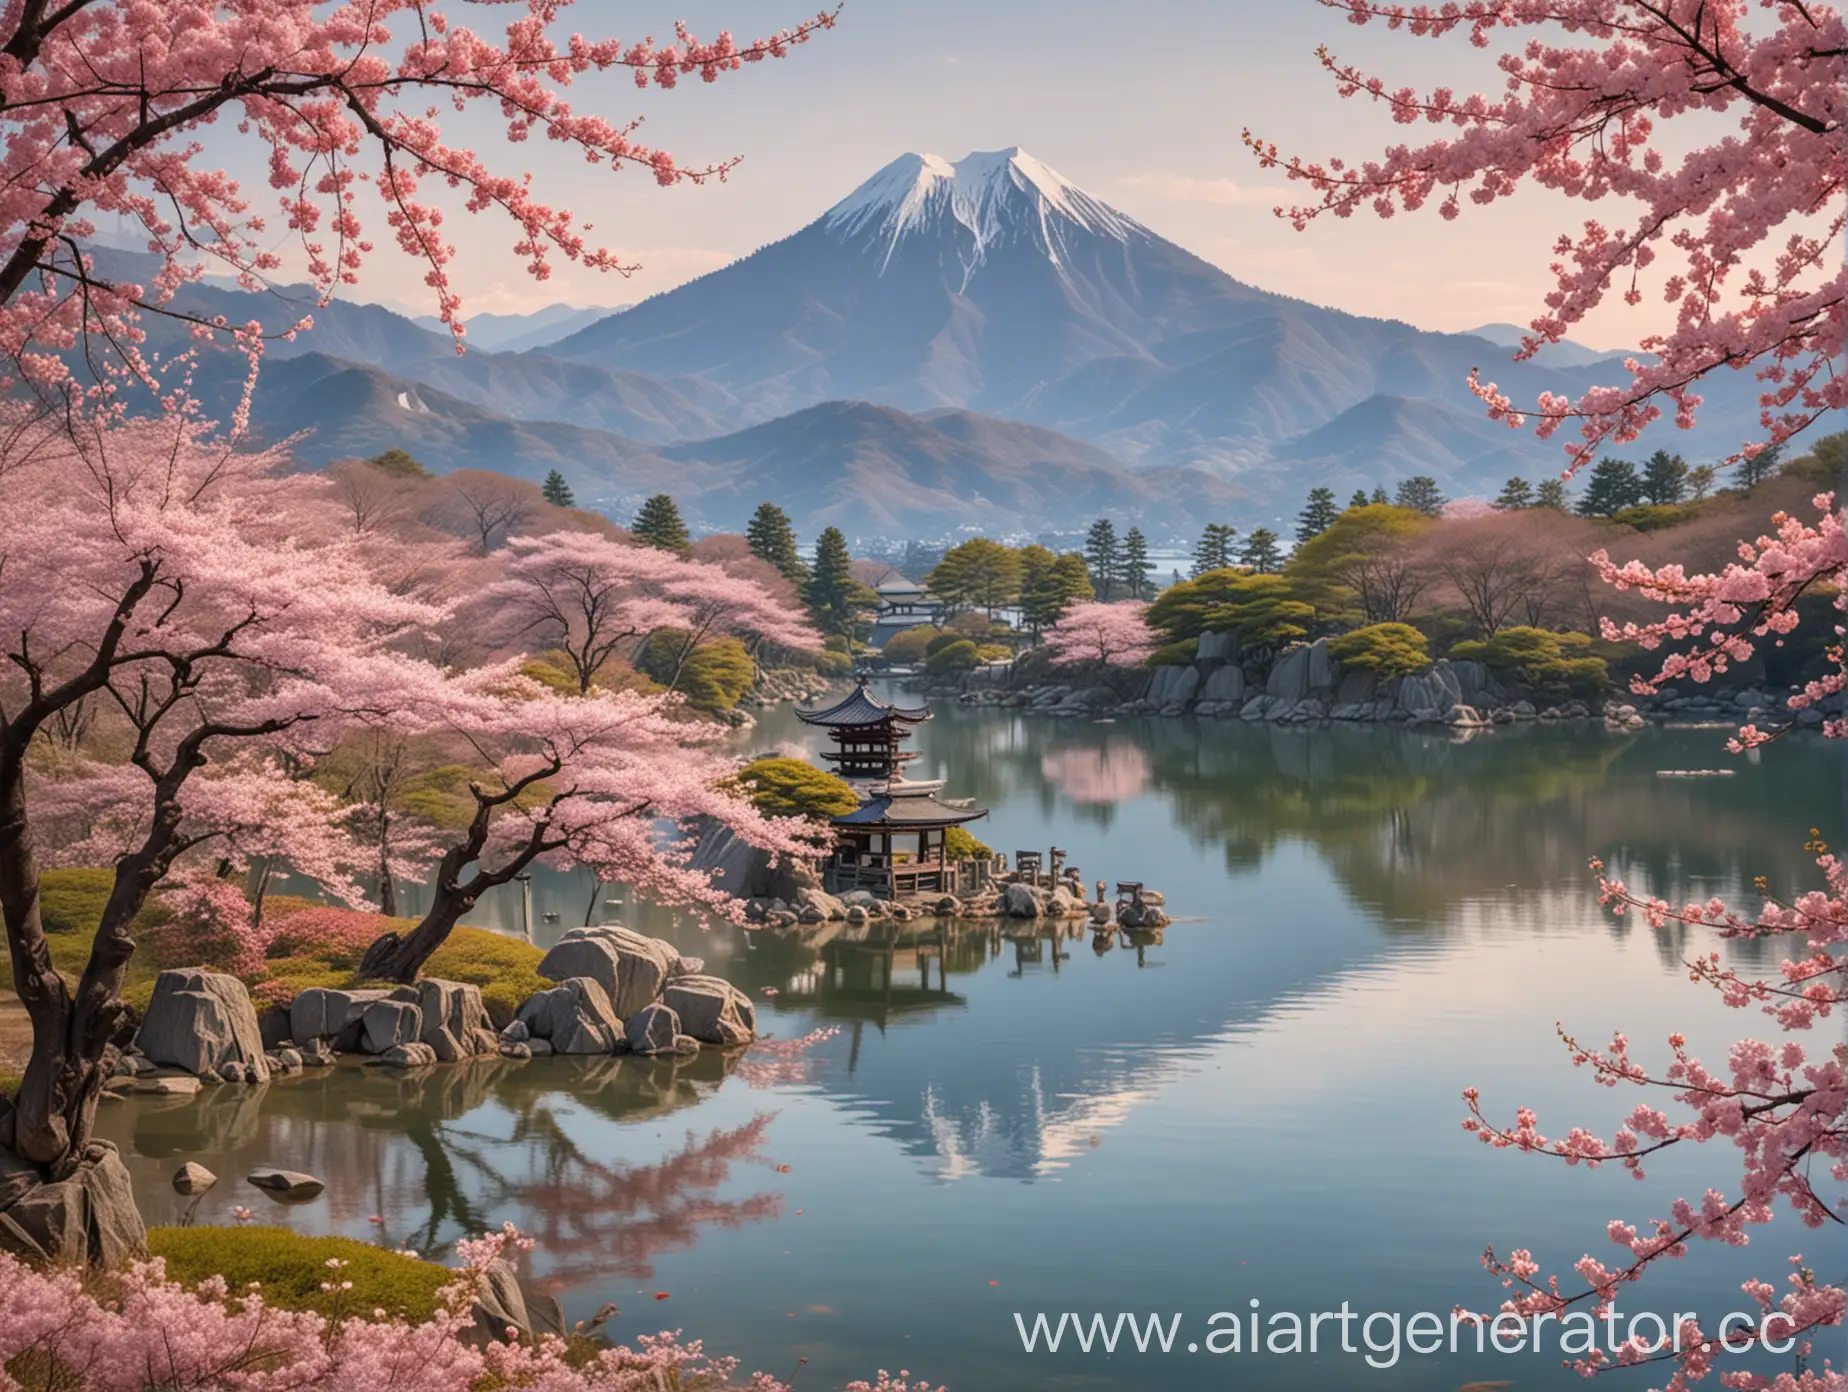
1188 188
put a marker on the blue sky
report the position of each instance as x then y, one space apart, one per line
1139 101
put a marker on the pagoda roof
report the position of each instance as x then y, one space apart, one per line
913 810
861 707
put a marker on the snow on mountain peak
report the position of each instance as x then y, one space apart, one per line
990 194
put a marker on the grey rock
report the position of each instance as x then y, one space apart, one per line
712 1010
290 1059
653 1029
1356 688
1224 684
575 1016
1217 647
285 1186
193 1178
1020 901
317 1054
324 1013
89 1217
858 914
694 966
631 968
859 898
235 1072
273 1023
539 1048
516 1033
819 902
686 1045
386 1024
949 906
455 1022
516 1051
201 1021
168 1086
411 1055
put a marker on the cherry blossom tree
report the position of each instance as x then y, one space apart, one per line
1581 116
1108 635
1738 234
580 780
210 605
103 104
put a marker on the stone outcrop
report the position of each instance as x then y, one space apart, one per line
285 1186
574 1017
192 1178
455 1023
632 969
87 1217
322 1012
712 1010
653 1029
203 1022
385 1024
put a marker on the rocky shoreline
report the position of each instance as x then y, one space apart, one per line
1305 686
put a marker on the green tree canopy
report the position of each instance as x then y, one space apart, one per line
1214 549
1554 664
1359 499
1665 479
1754 470
556 491
1049 590
978 574
658 524
958 656
1103 556
1318 514
909 645
782 787
1263 610
834 598
1551 493
1364 564
1134 576
1380 495
399 463
773 539
1420 493
1262 551
1516 494
1614 485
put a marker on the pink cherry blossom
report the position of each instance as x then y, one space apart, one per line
1109 635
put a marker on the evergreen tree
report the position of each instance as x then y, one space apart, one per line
1701 479
1380 495
773 539
1103 555
1755 470
1359 499
1214 550
1420 494
1551 494
1136 565
1516 494
1318 515
556 491
658 524
1262 553
1052 589
833 596
399 462
1665 478
1614 486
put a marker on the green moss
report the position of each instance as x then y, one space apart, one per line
1176 654
291 1268
71 901
506 969
959 844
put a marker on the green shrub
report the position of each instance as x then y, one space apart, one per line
959 844
993 652
714 675
1178 654
910 645
1385 650
1653 517
1558 665
781 787
291 1269
940 640
958 656
833 664
1263 610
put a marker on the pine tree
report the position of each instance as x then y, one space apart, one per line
1136 565
658 524
1214 550
1614 486
1420 494
1380 495
1701 479
1665 478
1359 499
1318 515
1262 553
1053 589
1103 556
1516 494
1755 470
834 597
556 491
1551 494
773 539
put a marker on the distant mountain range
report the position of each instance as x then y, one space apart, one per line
979 343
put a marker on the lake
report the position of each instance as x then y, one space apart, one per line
1261 1106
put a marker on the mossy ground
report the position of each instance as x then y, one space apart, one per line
291 1269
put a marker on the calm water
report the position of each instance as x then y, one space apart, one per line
1263 1105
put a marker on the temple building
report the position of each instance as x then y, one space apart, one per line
895 843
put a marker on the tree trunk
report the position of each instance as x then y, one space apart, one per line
400 959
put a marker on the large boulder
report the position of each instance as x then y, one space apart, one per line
653 1029
455 1022
285 1186
322 1012
202 1021
1217 647
712 1010
819 901
386 1024
631 968
575 1017
87 1217
1300 671
506 1310
1020 901
1224 684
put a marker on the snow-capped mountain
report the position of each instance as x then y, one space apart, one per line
995 284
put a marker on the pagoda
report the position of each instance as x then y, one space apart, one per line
894 844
